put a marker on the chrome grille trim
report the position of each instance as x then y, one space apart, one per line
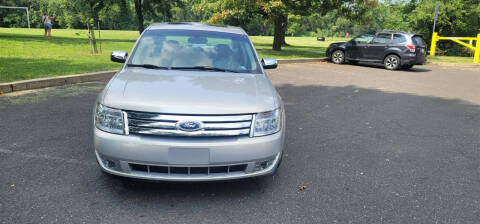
221 126
175 118
202 133
152 124
166 124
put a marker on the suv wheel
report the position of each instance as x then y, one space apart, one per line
392 62
338 57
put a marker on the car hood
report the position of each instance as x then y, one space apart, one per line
190 92
338 43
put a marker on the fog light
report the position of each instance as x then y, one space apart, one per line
109 163
261 165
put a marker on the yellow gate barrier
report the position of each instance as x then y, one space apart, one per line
476 49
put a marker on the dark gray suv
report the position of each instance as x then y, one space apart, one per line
395 49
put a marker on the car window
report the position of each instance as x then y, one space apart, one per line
191 48
398 39
363 39
382 38
418 41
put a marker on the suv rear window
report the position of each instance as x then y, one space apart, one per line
418 41
398 39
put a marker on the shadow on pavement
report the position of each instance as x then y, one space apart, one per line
362 154
416 68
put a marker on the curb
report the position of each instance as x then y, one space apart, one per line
55 81
291 61
94 76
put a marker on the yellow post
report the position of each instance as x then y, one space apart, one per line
434 44
477 49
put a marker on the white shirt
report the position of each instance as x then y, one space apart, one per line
46 20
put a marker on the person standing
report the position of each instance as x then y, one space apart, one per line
47 23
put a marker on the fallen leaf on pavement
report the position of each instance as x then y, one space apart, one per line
302 188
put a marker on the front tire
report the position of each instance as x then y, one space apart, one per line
391 62
338 57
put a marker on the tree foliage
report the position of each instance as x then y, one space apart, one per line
276 12
277 18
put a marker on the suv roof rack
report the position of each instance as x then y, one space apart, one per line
395 31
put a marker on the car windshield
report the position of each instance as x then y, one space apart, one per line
195 50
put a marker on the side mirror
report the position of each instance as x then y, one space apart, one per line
119 56
269 63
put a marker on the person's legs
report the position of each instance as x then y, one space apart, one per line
45 28
49 28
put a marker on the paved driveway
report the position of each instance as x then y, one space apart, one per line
370 145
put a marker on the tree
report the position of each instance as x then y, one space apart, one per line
139 11
239 12
154 10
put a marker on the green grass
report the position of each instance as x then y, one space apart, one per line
300 47
25 54
451 59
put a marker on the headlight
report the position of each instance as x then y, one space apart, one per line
267 123
109 120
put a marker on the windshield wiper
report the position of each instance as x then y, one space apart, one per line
149 66
204 68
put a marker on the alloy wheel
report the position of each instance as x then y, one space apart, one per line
337 57
391 62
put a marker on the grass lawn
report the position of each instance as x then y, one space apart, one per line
451 59
25 54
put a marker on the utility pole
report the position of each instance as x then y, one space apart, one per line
435 17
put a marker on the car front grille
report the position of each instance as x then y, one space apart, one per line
166 124
190 171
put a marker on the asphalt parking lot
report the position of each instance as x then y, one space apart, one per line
369 145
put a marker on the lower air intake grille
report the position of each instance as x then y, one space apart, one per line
175 170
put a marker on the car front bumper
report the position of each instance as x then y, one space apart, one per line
160 158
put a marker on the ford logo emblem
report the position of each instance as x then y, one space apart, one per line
189 125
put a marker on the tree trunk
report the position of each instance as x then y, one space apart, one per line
284 32
138 10
93 41
279 32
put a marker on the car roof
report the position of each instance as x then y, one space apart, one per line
396 32
197 26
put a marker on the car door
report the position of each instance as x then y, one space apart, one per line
375 51
355 48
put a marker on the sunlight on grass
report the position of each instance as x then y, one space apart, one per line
450 59
26 54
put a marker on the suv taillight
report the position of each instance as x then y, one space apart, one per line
411 47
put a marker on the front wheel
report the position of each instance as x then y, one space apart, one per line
392 62
338 57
